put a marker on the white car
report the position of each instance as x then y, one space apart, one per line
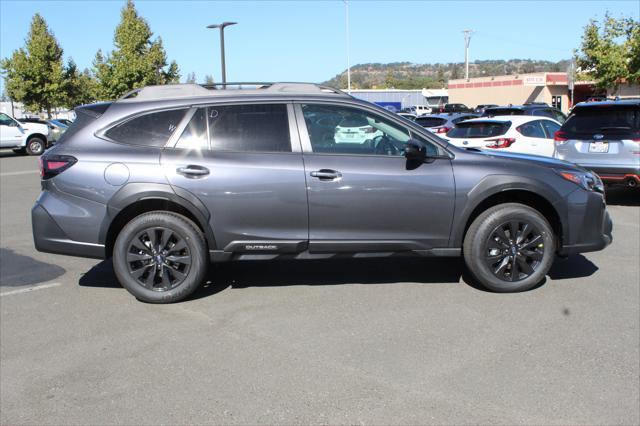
512 133
22 137
355 129
419 110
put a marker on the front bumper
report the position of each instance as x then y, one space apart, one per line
590 226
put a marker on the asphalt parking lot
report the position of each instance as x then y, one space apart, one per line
367 342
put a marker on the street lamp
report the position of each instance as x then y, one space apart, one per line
222 26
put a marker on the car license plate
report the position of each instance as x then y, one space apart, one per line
599 147
350 135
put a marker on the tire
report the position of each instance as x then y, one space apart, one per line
179 248
529 256
36 146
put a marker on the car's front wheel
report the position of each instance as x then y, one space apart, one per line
509 248
160 257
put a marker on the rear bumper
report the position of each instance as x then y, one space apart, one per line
616 174
48 237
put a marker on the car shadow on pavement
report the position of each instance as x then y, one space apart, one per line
576 266
622 196
17 270
279 273
100 275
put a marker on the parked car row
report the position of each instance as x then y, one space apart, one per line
600 135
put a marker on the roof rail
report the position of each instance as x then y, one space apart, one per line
190 90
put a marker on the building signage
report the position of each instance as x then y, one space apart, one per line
534 80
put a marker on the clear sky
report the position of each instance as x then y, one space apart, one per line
306 41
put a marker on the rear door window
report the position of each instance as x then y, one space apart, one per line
479 129
194 135
153 129
550 127
532 129
252 128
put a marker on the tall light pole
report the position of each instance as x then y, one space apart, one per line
222 26
467 40
346 13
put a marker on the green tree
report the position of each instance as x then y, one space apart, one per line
610 53
208 79
191 78
80 87
34 74
136 60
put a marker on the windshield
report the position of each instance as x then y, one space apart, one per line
479 129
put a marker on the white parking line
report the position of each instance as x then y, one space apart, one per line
29 289
23 172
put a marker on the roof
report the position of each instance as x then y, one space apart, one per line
517 119
630 102
178 91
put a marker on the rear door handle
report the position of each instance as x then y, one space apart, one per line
193 171
326 174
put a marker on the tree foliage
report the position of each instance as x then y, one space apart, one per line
34 74
610 52
136 61
79 87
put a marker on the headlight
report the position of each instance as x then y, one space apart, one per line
585 180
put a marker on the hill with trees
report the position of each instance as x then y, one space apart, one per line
407 75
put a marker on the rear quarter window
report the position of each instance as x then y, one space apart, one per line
151 129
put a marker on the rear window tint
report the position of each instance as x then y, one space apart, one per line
605 120
479 130
430 121
153 129
503 111
253 128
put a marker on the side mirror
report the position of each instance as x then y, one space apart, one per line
415 150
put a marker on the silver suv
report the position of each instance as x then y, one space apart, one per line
170 178
603 137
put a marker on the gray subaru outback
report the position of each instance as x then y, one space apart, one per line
170 178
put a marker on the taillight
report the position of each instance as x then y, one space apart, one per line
442 129
560 137
500 143
369 129
53 165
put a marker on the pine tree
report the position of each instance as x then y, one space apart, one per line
136 61
34 74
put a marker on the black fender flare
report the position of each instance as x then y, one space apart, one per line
493 185
135 192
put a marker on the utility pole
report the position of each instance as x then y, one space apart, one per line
346 12
467 40
222 26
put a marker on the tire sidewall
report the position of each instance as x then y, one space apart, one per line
38 142
484 226
178 224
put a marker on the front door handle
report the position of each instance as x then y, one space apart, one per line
326 174
192 171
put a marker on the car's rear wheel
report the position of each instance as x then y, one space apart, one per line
35 146
160 257
509 248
